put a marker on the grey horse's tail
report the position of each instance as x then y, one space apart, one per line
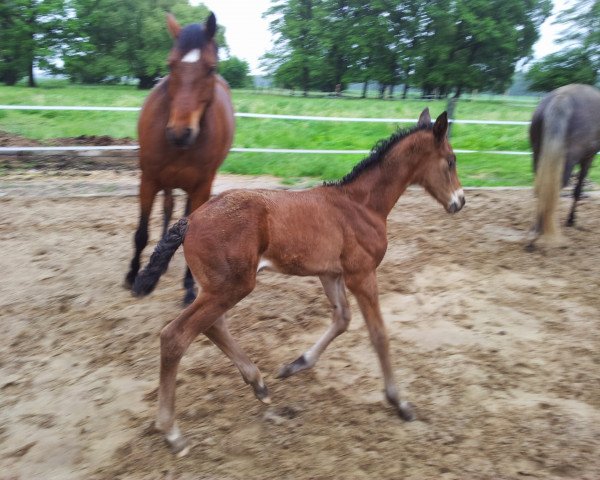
160 258
551 163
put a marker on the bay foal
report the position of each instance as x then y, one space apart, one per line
336 232
185 131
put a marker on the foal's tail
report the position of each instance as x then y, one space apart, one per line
160 258
551 163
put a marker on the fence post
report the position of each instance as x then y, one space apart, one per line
450 109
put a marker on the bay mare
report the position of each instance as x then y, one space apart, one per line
185 132
336 232
564 132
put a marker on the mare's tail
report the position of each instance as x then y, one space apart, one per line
551 163
160 258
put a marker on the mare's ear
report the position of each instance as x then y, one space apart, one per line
440 127
174 27
424 118
211 26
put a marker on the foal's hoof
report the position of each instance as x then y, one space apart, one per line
180 447
262 393
291 368
406 411
177 443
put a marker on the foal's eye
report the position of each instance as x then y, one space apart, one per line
212 69
452 161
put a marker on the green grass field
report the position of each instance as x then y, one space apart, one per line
474 169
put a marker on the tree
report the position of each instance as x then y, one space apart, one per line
325 43
372 54
562 68
30 35
441 45
475 44
235 71
582 29
296 58
335 41
111 39
407 22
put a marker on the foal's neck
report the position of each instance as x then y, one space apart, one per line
380 187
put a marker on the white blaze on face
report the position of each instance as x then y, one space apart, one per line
457 195
192 56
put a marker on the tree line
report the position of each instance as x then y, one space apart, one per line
579 59
96 41
443 47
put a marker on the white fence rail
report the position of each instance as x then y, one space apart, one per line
108 148
17 149
263 115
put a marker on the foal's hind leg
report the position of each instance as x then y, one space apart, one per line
175 339
364 288
335 291
585 166
219 334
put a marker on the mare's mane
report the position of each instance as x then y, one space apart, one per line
378 153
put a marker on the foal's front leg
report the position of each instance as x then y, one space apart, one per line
336 293
364 288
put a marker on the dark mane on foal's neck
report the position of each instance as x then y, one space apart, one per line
378 153
191 37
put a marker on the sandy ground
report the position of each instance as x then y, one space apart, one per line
499 350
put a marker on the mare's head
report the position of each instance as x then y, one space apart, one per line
192 66
436 169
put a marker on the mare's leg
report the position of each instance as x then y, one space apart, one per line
219 334
168 204
177 336
194 200
585 166
364 288
148 191
336 293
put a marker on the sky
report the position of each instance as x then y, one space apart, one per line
247 33
249 38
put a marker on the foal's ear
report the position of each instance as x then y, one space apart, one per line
174 27
211 26
424 118
440 127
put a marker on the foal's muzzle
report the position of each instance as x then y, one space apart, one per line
457 201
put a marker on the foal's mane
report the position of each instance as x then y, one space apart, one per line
377 154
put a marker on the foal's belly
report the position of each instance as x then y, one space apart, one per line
304 261
304 269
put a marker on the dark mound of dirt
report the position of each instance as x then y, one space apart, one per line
13 140
92 140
